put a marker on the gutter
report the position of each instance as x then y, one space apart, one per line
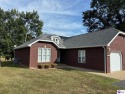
104 59
21 47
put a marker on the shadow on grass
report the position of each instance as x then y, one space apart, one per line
69 68
66 69
10 64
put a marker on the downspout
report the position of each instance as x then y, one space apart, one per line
104 59
14 54
58 57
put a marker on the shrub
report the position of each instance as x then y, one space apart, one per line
39 66
47 66
42 65
53 65
7 57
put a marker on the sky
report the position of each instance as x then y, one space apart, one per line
60 17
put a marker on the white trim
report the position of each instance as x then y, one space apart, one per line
64 47
115 37
86 47
33 43
44 41
21 47
55 36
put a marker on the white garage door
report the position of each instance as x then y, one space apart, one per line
115 61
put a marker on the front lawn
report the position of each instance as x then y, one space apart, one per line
16 80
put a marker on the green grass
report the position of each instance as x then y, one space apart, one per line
17 80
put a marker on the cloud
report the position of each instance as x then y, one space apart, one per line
66 33
62 17
63 24
49 6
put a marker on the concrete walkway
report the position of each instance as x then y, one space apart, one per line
116 75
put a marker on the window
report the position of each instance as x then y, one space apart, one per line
81 56
44 54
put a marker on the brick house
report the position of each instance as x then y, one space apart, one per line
102 50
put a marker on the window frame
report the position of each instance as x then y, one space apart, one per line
81 55
44 54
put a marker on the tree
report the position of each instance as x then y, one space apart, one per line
104 14
17 27
32 24
2 29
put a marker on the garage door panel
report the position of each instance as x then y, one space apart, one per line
115 62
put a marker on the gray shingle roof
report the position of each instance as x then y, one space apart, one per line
99 38
27 43
44 37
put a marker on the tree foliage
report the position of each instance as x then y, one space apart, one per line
104 14
17 27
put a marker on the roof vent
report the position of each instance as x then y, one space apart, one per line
55 39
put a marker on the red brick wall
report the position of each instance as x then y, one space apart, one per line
34 53
94 58
24 55
117 45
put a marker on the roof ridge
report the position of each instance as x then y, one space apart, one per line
100 37
93 32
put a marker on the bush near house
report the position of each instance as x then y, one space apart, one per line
54 65
46 66
39 66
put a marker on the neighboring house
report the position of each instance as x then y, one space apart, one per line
102 50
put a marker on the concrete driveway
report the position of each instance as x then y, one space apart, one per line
116 75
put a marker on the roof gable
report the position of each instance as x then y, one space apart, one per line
44 38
